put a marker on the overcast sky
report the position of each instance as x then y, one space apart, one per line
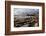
24 11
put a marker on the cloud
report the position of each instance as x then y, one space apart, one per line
24 11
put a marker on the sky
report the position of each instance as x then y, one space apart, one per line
24 11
